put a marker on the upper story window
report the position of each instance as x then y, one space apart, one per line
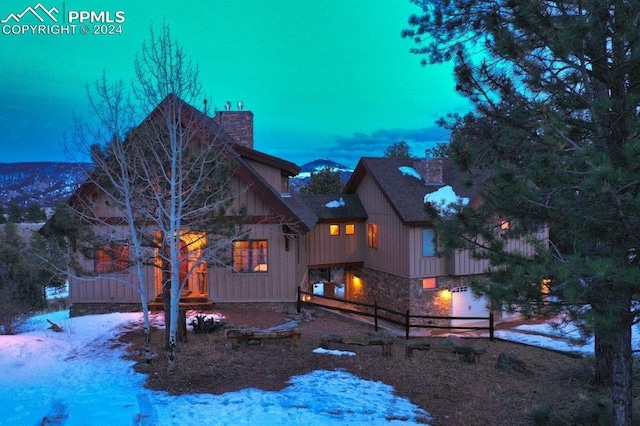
372 235
428 242
334 230
111 257
350 229
250 256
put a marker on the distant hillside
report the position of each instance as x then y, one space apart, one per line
45 183
315 166
48 183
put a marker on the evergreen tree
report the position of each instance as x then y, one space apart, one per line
555 85
3 219
398 150
16 213
34 213
20 289
325 181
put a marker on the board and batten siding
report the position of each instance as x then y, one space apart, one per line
245 197
421 266
392 254
120 287
278 284
329 249
462 263
272 175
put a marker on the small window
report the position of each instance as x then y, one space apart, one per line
372 235
111 257
251 256
429 283
428 242
350 228
334 230
505 225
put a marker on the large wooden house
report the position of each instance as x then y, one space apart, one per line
372 242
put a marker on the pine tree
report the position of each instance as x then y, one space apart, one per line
398 150
554 135
325 181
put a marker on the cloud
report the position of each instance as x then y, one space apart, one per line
349 149
303 147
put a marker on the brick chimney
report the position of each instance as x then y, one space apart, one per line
430 169
238 124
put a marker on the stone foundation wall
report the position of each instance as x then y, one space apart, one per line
390 291
80 309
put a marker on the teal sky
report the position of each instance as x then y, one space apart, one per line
325 78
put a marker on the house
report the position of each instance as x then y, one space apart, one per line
373 242
265 266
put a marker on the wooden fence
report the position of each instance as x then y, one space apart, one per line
402 319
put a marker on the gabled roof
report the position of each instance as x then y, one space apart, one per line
332 207
297 217
406 193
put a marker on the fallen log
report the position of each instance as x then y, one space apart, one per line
238 335
383 340
55 327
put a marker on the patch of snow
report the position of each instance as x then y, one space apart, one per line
79 377
333 352
445 199
335 203
409 171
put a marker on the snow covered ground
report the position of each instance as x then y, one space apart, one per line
76 377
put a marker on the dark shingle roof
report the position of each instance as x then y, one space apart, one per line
406 193
351 210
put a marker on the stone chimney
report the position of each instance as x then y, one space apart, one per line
238 124
430 169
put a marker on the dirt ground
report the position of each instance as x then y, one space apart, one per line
555 390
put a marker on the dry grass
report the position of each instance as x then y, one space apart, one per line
455 392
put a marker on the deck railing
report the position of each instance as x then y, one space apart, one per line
378 313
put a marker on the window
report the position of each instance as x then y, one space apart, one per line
428 242
250 256
372 235
350 228
505 225
429 283
334 230
111 257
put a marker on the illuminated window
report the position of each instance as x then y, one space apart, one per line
372 235
250 256
350 228
505 225
428 242
111 257
429 283
334 230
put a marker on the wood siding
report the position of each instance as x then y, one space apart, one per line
420 266
271 174
278 284
327 249
392 254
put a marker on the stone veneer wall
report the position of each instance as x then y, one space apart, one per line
80 309
389 291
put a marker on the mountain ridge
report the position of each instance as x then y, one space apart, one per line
48 182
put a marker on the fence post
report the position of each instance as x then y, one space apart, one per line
375 314
299 301
491 326
406 326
